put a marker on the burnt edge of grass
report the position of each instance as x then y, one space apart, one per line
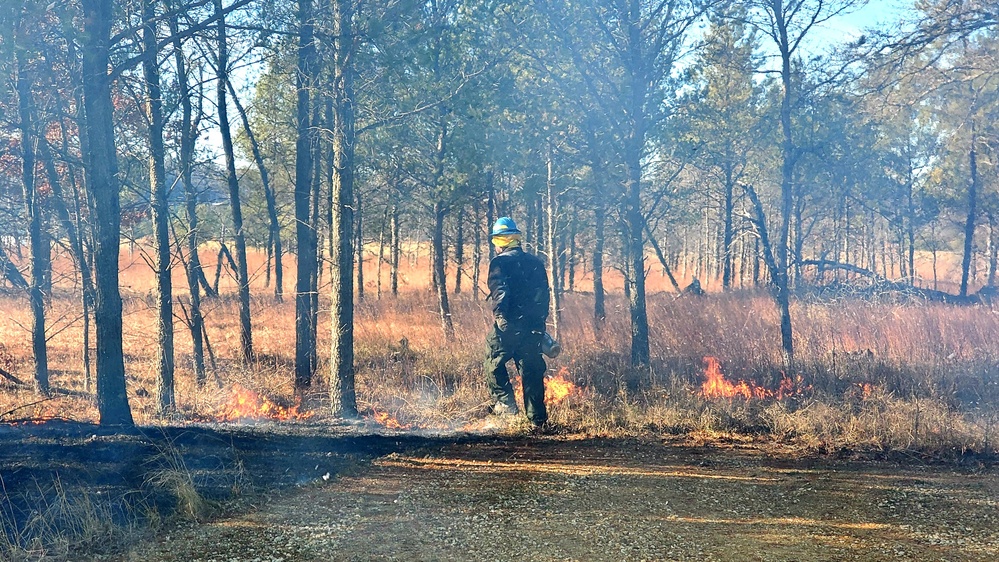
56 474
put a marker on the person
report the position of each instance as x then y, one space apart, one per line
519 291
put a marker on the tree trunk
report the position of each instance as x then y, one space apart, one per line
395 250
359 240
342 392
305 339
476 247
10 271
573 254
161 212
242 273
439 263
274 226
440 278
634 222
729 207
990 280
459 250
771 261
102 184
188 137
599 308
381 253
490 211
555 284
76 247
787 189
969 223
34 213
318 120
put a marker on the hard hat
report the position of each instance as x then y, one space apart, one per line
505 226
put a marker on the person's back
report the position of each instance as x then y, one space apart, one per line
518 287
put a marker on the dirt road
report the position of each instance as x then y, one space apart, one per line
561 498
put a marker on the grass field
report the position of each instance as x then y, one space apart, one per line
887 376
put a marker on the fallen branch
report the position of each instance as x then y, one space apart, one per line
830 264
23 406
5 374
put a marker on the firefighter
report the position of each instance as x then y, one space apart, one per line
518 288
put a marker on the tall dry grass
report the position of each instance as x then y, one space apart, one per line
883 376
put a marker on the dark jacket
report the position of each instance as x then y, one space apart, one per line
518 287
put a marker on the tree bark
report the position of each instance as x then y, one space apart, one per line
476 247
343 397
166 401
242 274
102 185
395 252
459 250
381 253
552 208
970 221
274 225
188 137
599 308
440 211
305 338
359 244
439 273
787 189
34 213
729 207
490 211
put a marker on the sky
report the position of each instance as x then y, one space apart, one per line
877 14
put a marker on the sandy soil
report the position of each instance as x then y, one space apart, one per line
568 498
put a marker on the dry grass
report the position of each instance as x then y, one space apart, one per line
62 524
883 376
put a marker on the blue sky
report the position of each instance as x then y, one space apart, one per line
876 14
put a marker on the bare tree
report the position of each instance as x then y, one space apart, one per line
34 212
305 77
161 210
102 184
242 273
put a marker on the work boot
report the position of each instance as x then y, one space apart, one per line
543 428
501 408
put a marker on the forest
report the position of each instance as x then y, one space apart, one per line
244 247
199 163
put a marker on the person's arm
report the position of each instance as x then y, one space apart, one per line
499 291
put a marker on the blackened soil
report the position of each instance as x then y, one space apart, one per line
54 474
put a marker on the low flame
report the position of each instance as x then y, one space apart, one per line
245 404
717 386
557 387
866 389
387 421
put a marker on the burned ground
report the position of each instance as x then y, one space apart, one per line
67 486
298 492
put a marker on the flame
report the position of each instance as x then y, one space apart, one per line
244 404
557 387
866 389
387 421
717 386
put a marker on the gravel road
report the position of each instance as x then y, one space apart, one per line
569 498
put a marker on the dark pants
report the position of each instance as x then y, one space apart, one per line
524 347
